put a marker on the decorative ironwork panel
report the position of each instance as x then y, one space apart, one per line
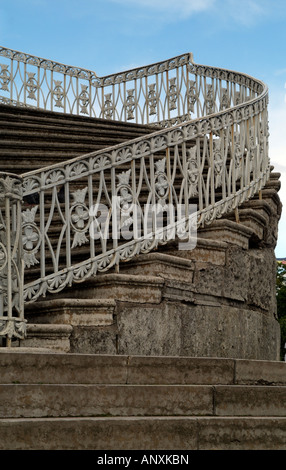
12 323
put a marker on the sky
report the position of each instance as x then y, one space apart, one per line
109 36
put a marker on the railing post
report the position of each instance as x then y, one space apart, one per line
12 322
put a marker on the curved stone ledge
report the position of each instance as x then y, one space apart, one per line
87 312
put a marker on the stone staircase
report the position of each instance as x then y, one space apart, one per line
59 401
177 350
169 302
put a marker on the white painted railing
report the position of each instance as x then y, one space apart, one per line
12 323
85 216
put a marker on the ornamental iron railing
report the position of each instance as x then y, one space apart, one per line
89 214
12 323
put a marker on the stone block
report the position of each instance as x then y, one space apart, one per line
94 339
262 280
205 251
227 231
40 401
260 372
233 433
161 265
236 275
22 366
179 370
99 434
89 312
188 329
121 287
54 337
153 330
247 400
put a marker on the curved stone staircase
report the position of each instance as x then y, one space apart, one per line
175 349
170 301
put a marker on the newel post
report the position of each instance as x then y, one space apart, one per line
12 322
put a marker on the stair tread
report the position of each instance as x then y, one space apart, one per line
53 117
29 135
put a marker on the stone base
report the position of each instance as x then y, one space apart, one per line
206 330
175 307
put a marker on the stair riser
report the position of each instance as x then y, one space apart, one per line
62 368
29 137
38 401
190 433
10 114
104 400
35 368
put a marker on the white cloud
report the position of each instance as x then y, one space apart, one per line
182 8
245 12
280 72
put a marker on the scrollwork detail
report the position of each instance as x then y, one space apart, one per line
152 99
58 94
80 219
161 180
84 99
193 96
218 162
130 104
31 85
31 237
108 106
193 171
172 94
4 77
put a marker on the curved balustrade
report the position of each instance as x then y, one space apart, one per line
208 151
167 92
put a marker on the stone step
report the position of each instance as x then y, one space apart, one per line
53 400
22 146
49 402
24 366
144 433
28 117
60 137
54 143
34 126
32 136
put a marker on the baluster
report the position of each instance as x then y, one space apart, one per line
12 323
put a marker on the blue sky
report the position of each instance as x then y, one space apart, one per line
113 35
